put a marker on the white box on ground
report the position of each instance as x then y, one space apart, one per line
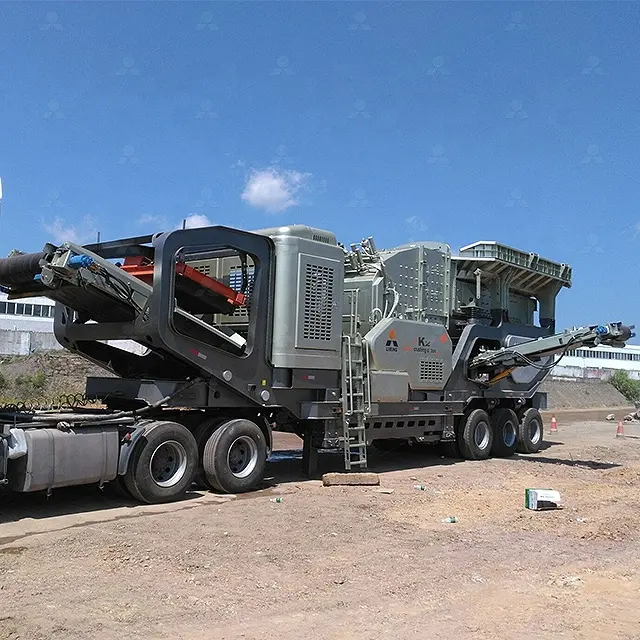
541 499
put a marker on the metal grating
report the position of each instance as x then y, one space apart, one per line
318 302
431 370
532 261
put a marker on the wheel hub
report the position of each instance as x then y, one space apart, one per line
535 431
242 457
481 435
168 463
509 433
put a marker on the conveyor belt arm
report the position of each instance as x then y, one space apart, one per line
614 334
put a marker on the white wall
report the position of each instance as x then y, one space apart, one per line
599 362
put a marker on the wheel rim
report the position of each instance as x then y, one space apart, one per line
509 433
168 463
481 435
242 457
535 432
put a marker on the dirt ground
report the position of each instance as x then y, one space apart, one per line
343 562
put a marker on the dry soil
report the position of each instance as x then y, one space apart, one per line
343 562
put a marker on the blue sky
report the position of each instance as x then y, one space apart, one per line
452 121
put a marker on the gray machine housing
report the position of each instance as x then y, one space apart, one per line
307 293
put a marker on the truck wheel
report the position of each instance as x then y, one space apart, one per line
202 433
476 437
530 431
504 423
163 463
235 456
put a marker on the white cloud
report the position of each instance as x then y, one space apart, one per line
274 190
196 220
61 232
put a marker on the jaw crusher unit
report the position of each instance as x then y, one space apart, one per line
284 328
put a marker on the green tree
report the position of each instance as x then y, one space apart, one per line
629 388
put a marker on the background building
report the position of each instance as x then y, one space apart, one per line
598 363
26 326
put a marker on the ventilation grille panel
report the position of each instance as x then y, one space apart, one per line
431 370
318 303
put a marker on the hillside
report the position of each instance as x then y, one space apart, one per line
564 394
46 375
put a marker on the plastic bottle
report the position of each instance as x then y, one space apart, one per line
450 519
420 487
278 499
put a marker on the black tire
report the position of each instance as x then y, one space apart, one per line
505 425
118 488
235 457
476 436
530 432
202 433
450 449
167 477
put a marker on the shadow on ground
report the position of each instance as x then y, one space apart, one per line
579 464
283 467
65 501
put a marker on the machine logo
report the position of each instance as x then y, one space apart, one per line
392 344
422 345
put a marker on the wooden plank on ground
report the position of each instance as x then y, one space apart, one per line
350 479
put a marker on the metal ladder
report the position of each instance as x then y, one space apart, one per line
355 401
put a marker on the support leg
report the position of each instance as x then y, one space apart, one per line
309 453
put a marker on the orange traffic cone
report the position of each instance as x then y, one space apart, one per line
554 425
620 430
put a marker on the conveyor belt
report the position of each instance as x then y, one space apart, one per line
20 269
